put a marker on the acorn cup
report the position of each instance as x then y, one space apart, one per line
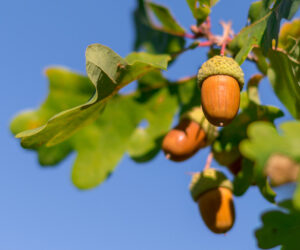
220 79
191 134
213 193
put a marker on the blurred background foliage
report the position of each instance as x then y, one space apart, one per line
89 115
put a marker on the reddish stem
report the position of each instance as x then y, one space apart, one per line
191 36
208 22
226 36
208 161
223 48
204 44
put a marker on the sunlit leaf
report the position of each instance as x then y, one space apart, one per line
167 21
66 90
150 38
264 27
265 188
261 62
252 88
281 9
247 38
286 143
258 9
201 9
101 145
284 76
289 31
109 73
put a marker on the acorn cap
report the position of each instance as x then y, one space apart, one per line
221 65
196 114
206 180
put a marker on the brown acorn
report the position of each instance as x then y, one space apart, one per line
213 193
220 80
192 133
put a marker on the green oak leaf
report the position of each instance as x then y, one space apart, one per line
247 38
226 145
167 21
51 156
252 88
244 178
66 90
101 145
282 9
283 66
151 81
261 62
150 38
264 27
286 143
258 9
188 94
146 141
289 40
265 188
279 228
109 73
201 9
296 196
284 75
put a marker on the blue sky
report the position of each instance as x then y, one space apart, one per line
140 207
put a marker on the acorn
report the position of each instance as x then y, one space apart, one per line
213 193
220 79
191 134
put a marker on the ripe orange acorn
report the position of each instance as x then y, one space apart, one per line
213 193
192 133
220 80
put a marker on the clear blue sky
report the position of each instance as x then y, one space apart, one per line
141 207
